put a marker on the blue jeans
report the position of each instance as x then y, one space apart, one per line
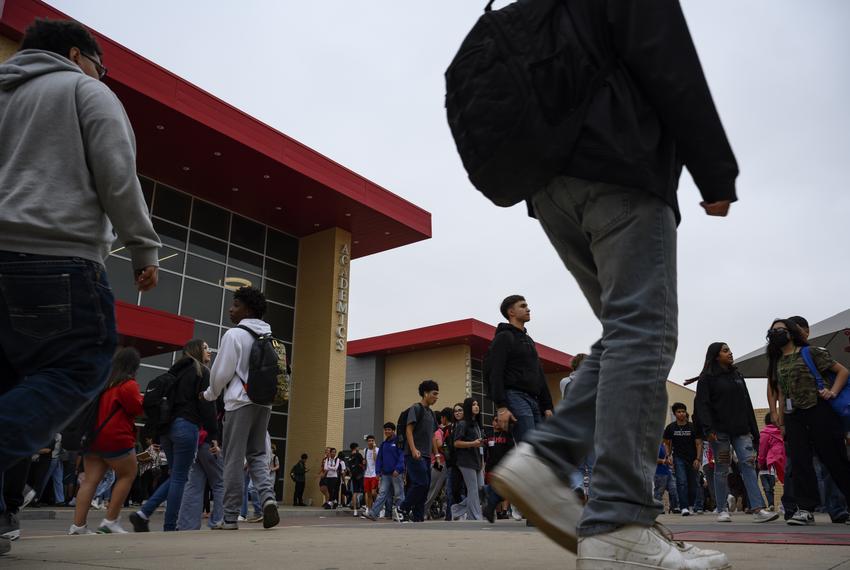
389 484
747 456
179 445
57 337
831 498
104 488
768 483
525 409
207 468
666 483
620 245
55 473
419 476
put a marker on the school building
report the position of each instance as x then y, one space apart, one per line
236 203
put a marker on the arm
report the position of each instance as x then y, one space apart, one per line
762 457
498 359
654 43
702 403
111 157
408 434
224 367
131 398
840 381
698 460
544 397
379 464
207 410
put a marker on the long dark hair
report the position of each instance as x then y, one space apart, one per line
467 412
125 365
711 366
194 349
774 353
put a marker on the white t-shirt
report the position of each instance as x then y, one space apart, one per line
332 467
371 457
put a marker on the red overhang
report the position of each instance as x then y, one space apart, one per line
193 141
151 331
471 332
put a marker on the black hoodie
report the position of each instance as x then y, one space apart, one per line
187 405
514 365
723 405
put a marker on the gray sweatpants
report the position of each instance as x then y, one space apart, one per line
245 439
620 245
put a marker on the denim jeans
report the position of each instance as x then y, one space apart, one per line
768 483
180 446
207 468
419 477
831 498
104 488
525 409
57 337
747 456
666 483
620 245
55 474
686 482
389 484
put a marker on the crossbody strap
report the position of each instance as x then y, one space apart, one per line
99 428
806 353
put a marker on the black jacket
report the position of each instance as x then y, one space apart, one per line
723 405
514 364
655 112
187 405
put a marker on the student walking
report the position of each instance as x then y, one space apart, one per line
298 474
498 446
371 481
68 174
726 415
180 440
803 414
611 214
331 474
684 443
390 469
665 481
439 465
356 468
114 446
419 444
469 442
245 423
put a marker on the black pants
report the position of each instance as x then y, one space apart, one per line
14 481
298 497
819 429
333 488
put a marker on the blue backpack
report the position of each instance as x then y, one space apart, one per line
841 403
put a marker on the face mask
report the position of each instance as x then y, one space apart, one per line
778 338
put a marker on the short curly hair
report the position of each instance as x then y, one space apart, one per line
59 36
252 298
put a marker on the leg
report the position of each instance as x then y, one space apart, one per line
58 478
184 438
256 452
125 472
672 494
832 451
747 457
768 483
161 494
523 408
787 499
192 504
385 486
722 464
236 426
799 440
95 468
682 480
213 466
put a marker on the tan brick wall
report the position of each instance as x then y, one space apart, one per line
678 393
553 380
778 490
318 390
7 48
447 366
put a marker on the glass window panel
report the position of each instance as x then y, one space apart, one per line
280 318
172 205
169 234
280 293
204 269
283 247
120 274
248 234
166 295
281 272
277 425
164 360
171 259
244 259
207 332
210 219
146 374
237 278
147 190
225 309
284 408
207 246
201 301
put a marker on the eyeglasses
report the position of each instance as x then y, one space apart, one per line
101 69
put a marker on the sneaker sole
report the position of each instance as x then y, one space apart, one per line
511 480
271 517
139 524
773 517
11 535
608 564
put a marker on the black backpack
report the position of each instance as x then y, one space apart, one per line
158 403
517 93
268 381
79 434
401 424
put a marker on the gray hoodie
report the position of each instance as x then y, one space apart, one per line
67 164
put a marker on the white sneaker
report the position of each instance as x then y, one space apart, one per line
28 496
383 513
686 513
724 517
764 516
730 500
111 527
96 504
515 513
241 519
632 546
79 529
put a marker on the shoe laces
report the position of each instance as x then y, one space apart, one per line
667 535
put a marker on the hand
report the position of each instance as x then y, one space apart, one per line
214 448
696 464
712 437
417 455
147 278
669 461
826 394
548 413
505 416
720 208
200 395
480 442
395 473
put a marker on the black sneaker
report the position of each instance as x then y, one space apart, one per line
489 512
139 524
9 527
271 517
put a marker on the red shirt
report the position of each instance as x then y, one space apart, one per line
119 433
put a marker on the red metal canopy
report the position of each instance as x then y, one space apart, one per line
472 332
151 331
236 161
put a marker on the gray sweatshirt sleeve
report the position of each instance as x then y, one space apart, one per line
111 156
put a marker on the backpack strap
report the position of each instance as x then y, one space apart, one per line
806 353
102 425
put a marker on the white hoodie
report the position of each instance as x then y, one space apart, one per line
230 369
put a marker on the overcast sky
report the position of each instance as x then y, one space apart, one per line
362 83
